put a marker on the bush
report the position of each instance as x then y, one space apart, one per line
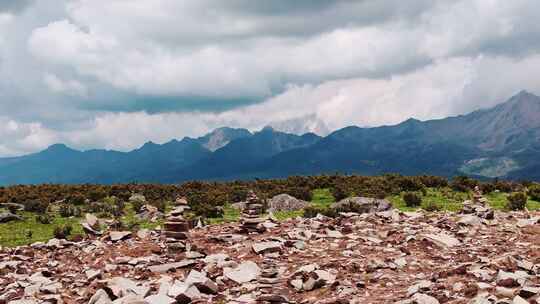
137 205
412 199
160 205
67 210
35 205
534 192
432 207
339 192
43 219
62 232
487 187
516 201
96 194
114 206
76 199
463 183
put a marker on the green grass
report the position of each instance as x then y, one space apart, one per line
283 215
322 198
497 200
230 214
130 219
16 233
444 198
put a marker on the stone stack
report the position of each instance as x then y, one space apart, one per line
269 283
478 206
251 220
176 228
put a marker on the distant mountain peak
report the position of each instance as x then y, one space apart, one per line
220 137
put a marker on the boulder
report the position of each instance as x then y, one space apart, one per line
362 205
285 202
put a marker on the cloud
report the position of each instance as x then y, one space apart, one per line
14 6
80 71
69 87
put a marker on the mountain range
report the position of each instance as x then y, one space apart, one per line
502 142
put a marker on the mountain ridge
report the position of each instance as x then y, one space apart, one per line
501 141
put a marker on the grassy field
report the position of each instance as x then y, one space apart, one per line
30 230
443 199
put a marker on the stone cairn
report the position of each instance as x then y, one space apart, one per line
270 282
251 220
176 228
478 205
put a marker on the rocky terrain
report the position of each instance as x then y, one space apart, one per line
380 256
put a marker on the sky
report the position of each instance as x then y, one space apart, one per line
115 74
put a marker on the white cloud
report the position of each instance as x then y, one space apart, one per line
317 66
68 87
21 138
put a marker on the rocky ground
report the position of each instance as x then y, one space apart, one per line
384 257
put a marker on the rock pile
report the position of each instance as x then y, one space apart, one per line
382 257
176 228
251 220
478 206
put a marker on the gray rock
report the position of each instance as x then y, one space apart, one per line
100 297
159 299
92 221
519 300
529 292
171 266
442 240
285 202
420 298
121 287
362 205
265 247
470 220
9 217
184 293
119 235
244 273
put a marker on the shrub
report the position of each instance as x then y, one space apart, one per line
339 192
114 206
433 181
62 232
159 204
137 205
76 199
409 183
534 192
432 207
43 219
463 183
67 210
35 205
516 201
96 194
487 187
412 199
